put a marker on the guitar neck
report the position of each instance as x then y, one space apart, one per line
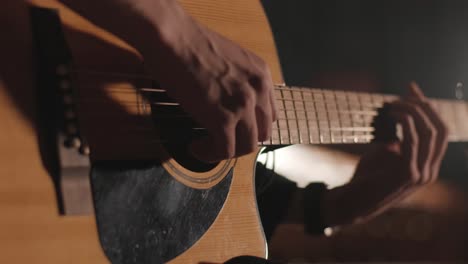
318 116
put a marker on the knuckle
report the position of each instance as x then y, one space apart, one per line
229 152
434 176
251 146
225 120
247 97
426 173
264 135
261 83
263 113
227 148
263 88
407 119
444 130
430 132
414 177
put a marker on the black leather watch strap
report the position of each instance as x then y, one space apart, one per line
313 219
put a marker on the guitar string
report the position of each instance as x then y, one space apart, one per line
88 99
359 116
385 97
276 87
313 95
290 98
438 103
313 92
344 139
308 91
282 110
354 103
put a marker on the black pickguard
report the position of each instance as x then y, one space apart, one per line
145 216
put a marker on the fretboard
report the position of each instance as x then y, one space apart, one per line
318 116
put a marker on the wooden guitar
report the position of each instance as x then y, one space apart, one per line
118 113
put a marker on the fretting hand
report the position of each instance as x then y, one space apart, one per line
393 170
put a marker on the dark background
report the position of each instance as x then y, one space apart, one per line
376 45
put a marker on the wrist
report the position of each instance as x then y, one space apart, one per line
359 201
168 30
333 211
295 213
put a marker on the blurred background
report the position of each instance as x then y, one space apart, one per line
378 46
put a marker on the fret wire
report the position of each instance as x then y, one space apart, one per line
365 104
356 135
368 137
286 115
350 117
297 121
348 101
328 119
318 120
339 118
361 107
279 131
306 117
373 100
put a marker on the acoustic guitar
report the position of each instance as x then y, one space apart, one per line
74 96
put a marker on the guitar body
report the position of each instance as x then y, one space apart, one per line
31 229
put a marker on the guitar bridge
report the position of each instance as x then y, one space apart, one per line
64 151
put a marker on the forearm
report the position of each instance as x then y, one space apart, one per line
344 205
147 25
352 204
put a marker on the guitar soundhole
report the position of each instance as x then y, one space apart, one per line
177 130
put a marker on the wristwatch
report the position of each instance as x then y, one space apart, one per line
312 204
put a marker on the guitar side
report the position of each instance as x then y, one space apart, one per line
31 229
